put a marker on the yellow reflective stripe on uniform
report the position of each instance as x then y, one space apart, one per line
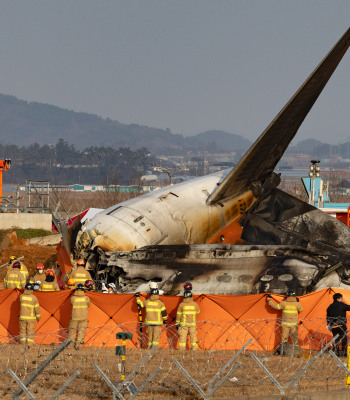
26 317
147 322
290 323
80 306
278 307
153 309
28 305
289 312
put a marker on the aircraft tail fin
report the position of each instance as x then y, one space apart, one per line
261 159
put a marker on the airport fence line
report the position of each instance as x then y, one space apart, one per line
242 365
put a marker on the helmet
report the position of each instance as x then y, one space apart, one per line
29 286
16 264
81 263
154 291
89 284
79 286
50 272
71 282
12 259
187 294
153 285
111 285
39 266
188 286
290 292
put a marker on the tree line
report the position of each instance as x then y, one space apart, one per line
63 164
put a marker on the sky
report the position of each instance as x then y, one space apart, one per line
186 65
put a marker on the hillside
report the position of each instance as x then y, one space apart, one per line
24 123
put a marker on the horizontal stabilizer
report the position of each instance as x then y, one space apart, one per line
261 159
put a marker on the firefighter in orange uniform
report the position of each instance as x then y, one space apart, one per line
186 321
14 277
29 313
290 310
49 284
156 316
80 312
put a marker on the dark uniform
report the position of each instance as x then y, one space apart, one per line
336 319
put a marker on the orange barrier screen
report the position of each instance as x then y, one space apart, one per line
221 317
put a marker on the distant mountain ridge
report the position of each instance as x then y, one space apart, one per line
24 123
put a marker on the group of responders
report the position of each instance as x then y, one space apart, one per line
155 314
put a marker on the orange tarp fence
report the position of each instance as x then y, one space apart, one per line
225 322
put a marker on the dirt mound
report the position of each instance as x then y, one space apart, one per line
33 254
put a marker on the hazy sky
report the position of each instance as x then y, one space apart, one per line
186 65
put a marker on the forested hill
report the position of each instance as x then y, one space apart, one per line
24 123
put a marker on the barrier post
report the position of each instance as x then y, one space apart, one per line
121 350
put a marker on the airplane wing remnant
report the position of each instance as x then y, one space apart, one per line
261 159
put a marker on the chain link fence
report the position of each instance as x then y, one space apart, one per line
235 364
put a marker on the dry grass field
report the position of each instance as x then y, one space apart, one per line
246 381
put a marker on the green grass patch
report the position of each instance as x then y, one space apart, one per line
25 233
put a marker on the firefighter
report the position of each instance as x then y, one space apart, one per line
188 286
29 313
154 285
14 277
80 274
290 310
71 283
79 321
186 321
156 315
89 285
49 284
39 275
23 268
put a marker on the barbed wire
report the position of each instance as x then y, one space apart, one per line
218 343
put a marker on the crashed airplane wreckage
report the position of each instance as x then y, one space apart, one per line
231 232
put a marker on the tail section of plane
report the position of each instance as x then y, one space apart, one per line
261 159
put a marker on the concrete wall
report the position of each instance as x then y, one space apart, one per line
25 221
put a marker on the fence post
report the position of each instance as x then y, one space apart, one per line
302 370
43 365
189 377
21 384
227 364
109 382
268 373
65 385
